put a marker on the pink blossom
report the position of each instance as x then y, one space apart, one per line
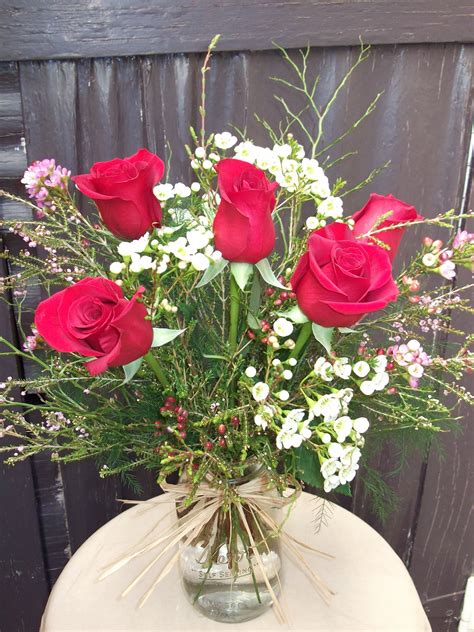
41 177
447 269
462 238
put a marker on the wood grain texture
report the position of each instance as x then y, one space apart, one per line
53 29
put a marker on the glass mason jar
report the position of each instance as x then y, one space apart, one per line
220 570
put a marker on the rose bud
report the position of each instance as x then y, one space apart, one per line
378 205
243 226
92 318
122 188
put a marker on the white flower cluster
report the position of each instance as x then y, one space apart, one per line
193 249
166 191
340 469
342 369
295 429
333 405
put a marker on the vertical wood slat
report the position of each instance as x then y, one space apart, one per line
90 110
23 576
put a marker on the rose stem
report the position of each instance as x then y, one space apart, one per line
234 314
302 339
155 367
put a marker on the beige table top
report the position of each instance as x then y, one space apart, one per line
374 592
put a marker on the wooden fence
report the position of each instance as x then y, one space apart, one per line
95 80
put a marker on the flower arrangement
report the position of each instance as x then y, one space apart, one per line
249 315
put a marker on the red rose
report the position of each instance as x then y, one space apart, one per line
378 205
243 226
122 188
93 318
339 278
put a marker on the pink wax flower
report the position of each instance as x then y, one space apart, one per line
462 239
41 177
447 269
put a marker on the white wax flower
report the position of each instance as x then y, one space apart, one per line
207 164
283 395
342 368
265 159
292 361
224 140
250 371
335 450
380 363
328 406
361 368
331 207
416 370
199 261
413 345
283 327
320 187
430 260
181 190
126 248
287 374
200 152
216 255
195 187
116 267
139 263
342 426
245 151
260 391
312 223
282 151
326 437
310 168
367 387
198 239
163 192
260 421
380 381
361 424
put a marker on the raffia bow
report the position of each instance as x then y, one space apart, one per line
208 499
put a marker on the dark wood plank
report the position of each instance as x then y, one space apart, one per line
23 577
59 30
50 104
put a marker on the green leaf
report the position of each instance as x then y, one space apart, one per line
130 369
241 273
254 303
295 315
215 357
347 330
308 468
344 489
213 270
163 336
263 266
323 335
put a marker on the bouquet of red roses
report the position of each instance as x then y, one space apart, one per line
246 321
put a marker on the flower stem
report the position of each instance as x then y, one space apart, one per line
304 335
157 370
234 314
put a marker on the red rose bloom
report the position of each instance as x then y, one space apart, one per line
339 278
93 318
378 205
122 188
243 226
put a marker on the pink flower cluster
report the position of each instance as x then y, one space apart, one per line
411 356
462 239
42 176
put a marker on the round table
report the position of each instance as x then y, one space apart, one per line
373 588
